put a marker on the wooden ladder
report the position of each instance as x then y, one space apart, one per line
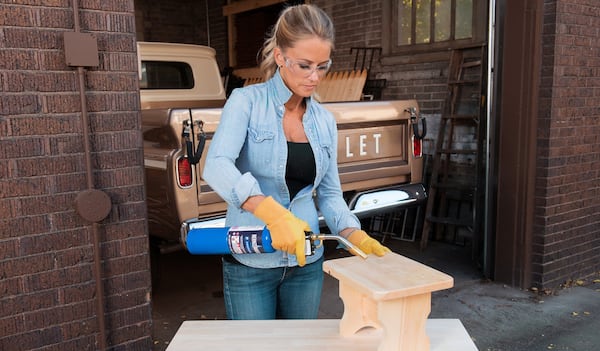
456 174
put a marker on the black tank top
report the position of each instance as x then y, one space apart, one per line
300 170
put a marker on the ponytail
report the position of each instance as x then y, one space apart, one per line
294 23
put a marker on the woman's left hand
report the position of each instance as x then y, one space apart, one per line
367 244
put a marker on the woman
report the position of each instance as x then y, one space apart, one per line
274 148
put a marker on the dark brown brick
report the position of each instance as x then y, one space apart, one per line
135 297
120 262
33 340
74 329
74 293
64 242
18 16
65 144
56 17
112 82
15 227
66 220
18 304
121 177
124 230
48 166
62 103
15 104
70 182
9 208
24 187
54 60
60 315
56 278
131 337
133 281
10 287
114 141
10 326
49 82
131 316
78 254
32 38
118 121
108 5
119 160
9 249
132 211
21 266
123 62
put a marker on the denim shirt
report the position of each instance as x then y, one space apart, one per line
248 154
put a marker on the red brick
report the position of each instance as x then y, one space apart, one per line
10 326
32 38
74 293
24 186
70 182
17 16
16 227
18 304
56 17
54 242
15 104
74 329
77 255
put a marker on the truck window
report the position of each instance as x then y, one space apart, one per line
166 75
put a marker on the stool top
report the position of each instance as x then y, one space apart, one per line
388 277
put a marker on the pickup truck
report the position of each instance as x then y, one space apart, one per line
182 93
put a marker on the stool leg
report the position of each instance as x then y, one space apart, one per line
359 311
403 321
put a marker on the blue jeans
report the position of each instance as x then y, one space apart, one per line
272 293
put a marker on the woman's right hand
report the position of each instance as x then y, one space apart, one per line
287 230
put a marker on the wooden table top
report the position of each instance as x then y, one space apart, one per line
389 277
315 334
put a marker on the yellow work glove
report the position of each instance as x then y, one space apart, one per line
367 244
287 230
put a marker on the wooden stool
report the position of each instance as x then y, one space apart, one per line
392 293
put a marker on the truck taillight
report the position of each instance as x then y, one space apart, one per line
417 146
184 172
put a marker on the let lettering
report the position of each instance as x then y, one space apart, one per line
361 144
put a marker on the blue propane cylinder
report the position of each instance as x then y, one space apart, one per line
227 240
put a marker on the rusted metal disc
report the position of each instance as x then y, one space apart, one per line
93 205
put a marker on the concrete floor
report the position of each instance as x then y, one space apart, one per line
498 318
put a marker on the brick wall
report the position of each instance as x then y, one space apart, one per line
359 24
184 21
567 214
47 285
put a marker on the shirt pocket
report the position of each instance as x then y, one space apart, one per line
258 136
261 149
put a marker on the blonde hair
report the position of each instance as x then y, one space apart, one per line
295 23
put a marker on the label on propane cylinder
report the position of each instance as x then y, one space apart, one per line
247 239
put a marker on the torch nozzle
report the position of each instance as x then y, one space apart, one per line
338 238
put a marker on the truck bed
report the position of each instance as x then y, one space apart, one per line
378 170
